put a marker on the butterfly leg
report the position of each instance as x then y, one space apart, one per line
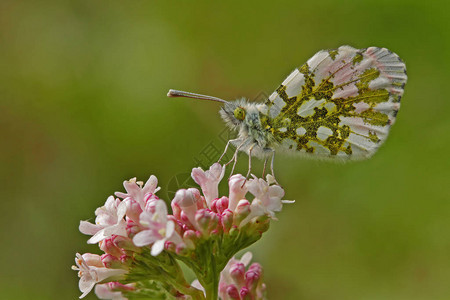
250 160
226 148
234 158
249 164
271 167
265 166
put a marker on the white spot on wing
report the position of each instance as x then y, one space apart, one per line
314 61
278 104
324 132
330 106
318 148
360 107
379 83
307 108
300 131
345 92
294 83
287 143
361 145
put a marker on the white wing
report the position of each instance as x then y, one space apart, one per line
341 103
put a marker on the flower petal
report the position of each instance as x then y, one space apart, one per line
150 185
246 258
158 247
144 238
89 228
97 237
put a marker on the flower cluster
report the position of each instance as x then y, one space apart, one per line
237 283
142 242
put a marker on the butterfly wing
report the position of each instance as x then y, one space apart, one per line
341 103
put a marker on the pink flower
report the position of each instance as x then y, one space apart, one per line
136 190
236 283
112 290
103 291
92 274
238 190
186 200
226 274
109 221
158 229
209 181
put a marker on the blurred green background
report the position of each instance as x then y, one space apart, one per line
83 107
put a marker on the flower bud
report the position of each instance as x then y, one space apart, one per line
202 217
178 223
190 238
126 260
212 206
245 294
181 249
214 224
111 262
232 292
237 272
221 204
201 203
216 232
150 201
176 209
116 286
132 228
108 247
125 243
253 276
234 231
187 201
207 221
170 246
184 218
133 209
241 212
227 220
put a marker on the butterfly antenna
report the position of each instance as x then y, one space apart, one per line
175 93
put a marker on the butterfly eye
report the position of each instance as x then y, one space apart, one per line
239 113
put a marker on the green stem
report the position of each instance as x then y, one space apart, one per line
210 278
212 289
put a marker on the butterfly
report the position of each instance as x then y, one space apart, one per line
340 105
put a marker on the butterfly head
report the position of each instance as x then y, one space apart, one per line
234 113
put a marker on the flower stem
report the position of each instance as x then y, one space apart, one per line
213 286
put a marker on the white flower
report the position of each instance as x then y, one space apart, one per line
92 274
267 199
158 229
209 181
137 190
109 221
